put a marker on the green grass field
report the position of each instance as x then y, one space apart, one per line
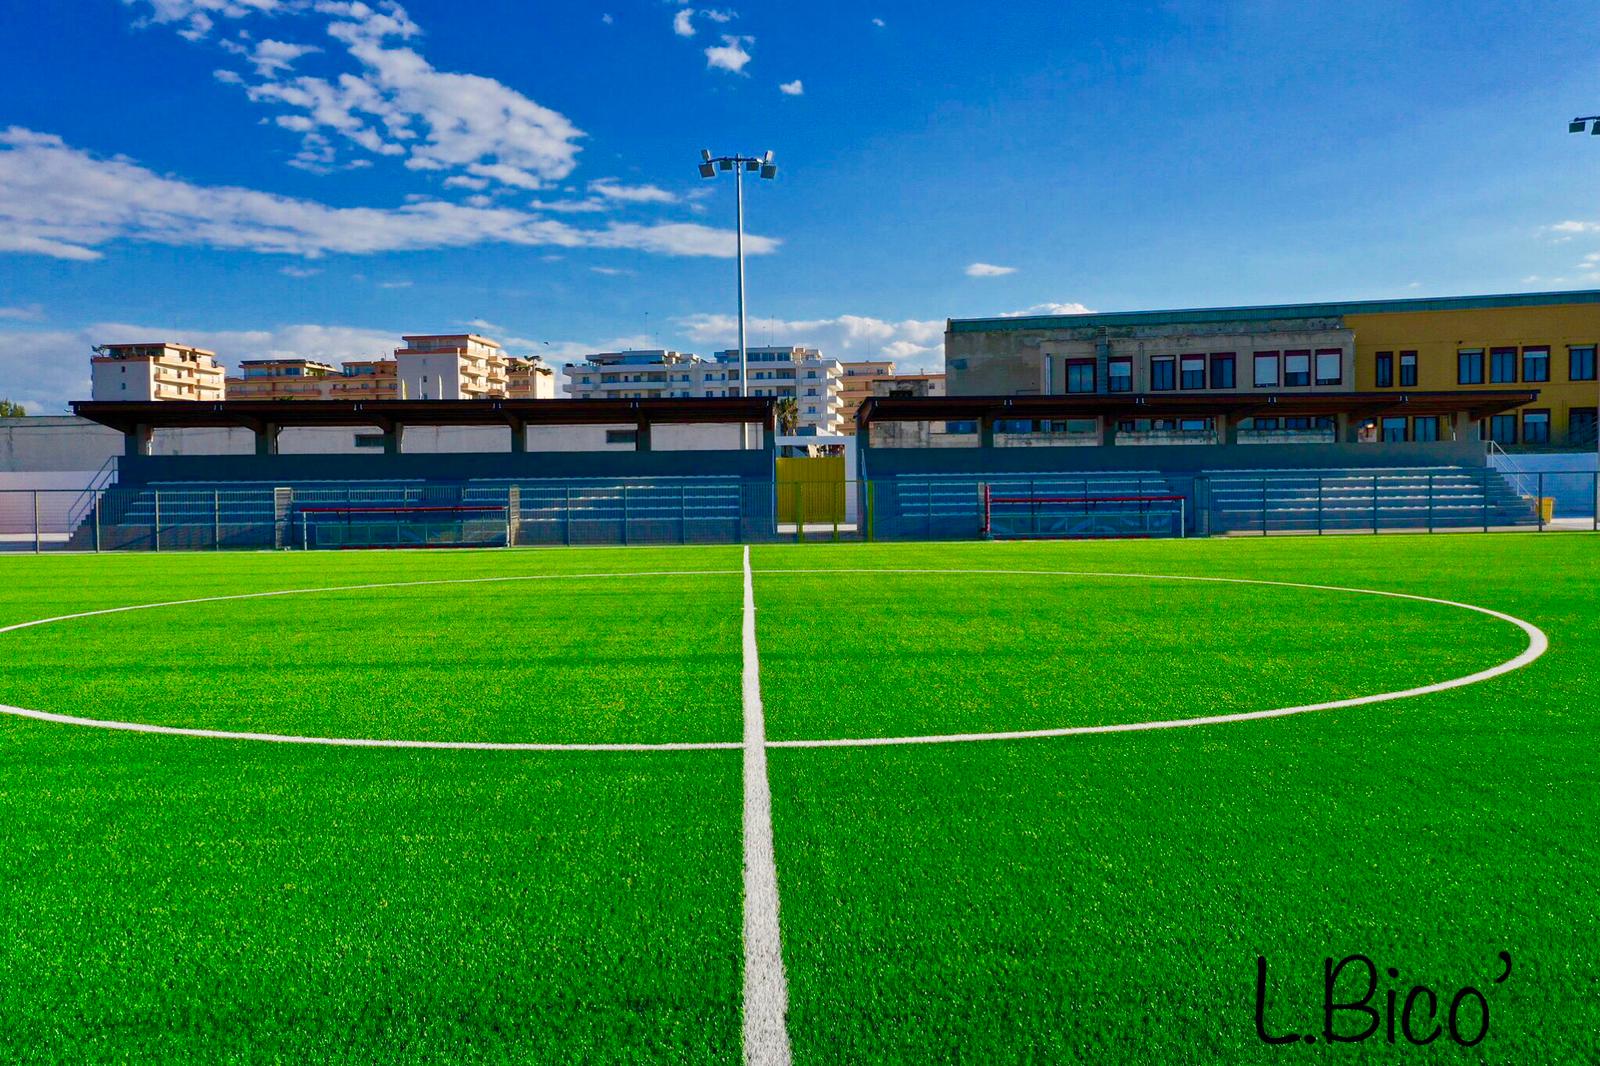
1096 898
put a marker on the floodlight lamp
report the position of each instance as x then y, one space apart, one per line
707 170
752 164
768 157
1595 128
769 170
724 164
705 154
1575 126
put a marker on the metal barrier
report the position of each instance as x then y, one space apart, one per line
731 510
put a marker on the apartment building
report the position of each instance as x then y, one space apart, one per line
365 379
456 366
530 378
877 377
801 374
155 371
281 379
1440 344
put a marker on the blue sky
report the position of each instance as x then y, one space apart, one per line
318 176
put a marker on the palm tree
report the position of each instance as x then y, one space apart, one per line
788 416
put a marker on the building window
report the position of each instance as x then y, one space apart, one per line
622 436
1408 370
1222 373
1503 429
1536 427
1394 429
1384 370
1425 427
1503 365
1581 426
1266 376
1080 375
369 440
1536 363
1296 369
1330 366
1163 373
1192 372
1119 375
1580 363
1469 366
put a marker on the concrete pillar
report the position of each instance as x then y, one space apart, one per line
986 432
1228 429
267 438
136 441
1348 428
392 437
519 436
641 437
1108 431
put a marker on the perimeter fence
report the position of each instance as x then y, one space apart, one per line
716 510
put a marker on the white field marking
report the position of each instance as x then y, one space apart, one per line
1538 644
766 990
356 742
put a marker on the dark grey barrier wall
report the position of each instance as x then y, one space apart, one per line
1168 458
444 466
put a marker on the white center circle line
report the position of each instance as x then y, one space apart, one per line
1538 644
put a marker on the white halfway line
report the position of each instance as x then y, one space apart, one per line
766 990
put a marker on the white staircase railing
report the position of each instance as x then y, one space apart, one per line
1509 467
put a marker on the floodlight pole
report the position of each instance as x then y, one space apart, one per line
762 164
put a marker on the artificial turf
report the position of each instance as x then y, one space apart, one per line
1092 898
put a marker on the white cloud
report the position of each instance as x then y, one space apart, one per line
916 343
1572 227
879 23
395 103
988 270
30 313
683 22
1049 309
484 326
394 284
631 194
299 272
607 19
729 55
792 88
58 201
611 272
271 58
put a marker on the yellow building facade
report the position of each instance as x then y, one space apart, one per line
1492 343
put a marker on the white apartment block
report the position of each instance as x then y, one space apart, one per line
800 374
457 366
155 371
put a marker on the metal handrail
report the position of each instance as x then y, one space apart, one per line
86 499
1517 475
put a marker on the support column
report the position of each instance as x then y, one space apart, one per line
392 436
267 438
519 435
641 437
1227 429
1348 428
136 441
986 432
1108 431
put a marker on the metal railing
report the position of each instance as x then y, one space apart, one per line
731 510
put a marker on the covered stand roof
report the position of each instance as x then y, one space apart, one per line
385 414
1475 405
